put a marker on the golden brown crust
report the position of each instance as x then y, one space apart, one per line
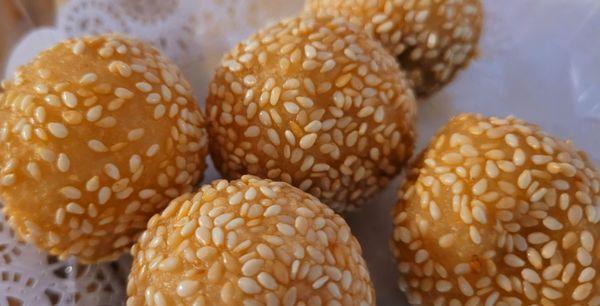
248 242
497 211
432 39
102 133
315 103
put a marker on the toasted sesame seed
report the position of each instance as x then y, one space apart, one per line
248 285
8 180
135 134
143 86
97 146
285 229
267 281
307 141
168 264
123 93
112 171
152 150
63 163
78 48
34 170
582 291
88 78
58 130
71 192
69 99
75 208
59 216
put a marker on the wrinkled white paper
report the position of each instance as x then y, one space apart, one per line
539 61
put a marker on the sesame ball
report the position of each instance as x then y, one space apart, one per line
248 242
498 212
314 103
432 40
100 133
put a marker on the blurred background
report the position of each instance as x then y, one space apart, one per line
17 17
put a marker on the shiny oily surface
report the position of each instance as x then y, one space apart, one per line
248 242
315 103
98 134
497 212
432 39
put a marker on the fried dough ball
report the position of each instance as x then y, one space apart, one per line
100 133
248 242
432 39
314 103
497 212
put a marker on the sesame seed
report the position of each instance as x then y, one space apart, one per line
58 130
152 150
582 291
112 171
143 86
421 256
88 78
168 264
248 285
69 99
135 134
94 113
97 146
307 141
252 131
63 163
267 281
123 93
474 235
92 184
447 240
434 211
552 224
121 68
443 286
59 216
285 229
8 180
146 193
104 195
265 251
78 48
583 257
513 261
320 282
70 192
531 276
480 187
187 288
34 170
75 208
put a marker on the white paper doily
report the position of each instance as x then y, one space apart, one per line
539 61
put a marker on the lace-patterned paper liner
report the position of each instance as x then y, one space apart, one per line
169 25
31 277
193 33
